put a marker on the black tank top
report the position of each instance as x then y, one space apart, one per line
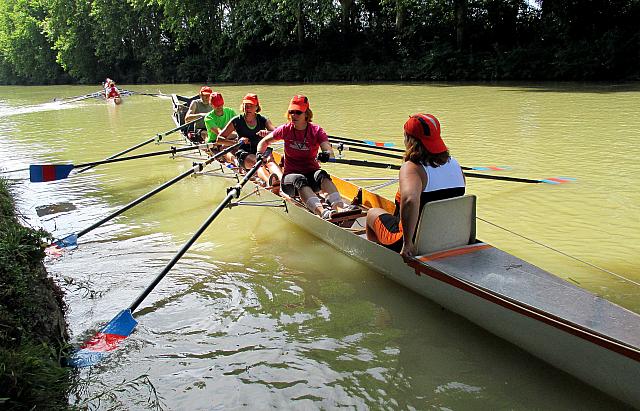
244 130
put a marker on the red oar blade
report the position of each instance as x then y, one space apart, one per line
106 340
558 180
49 172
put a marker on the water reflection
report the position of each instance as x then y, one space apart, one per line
260 315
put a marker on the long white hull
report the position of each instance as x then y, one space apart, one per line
551 318
573 330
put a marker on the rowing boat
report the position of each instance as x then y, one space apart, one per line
564 325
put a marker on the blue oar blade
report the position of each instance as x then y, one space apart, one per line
51 172
378 143
106 340
557 180
70 241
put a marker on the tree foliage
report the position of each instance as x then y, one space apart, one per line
44 41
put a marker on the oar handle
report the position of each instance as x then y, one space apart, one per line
232 192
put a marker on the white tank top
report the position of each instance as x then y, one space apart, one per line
448 175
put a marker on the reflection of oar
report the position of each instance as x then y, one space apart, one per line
363 163
377 144
156 138
39 173
72 239
123 324
341 147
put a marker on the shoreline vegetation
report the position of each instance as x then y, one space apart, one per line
33 330
187 41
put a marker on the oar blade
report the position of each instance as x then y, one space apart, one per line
56 248
557 180
41 173
378 143
492 168
105 341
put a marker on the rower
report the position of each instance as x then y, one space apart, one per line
250 127
110 89
197 109
428 174
302 173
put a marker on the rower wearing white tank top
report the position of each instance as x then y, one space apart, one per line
428 174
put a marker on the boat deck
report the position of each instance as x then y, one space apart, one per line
507 275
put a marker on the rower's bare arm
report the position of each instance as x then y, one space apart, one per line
190 116
411 185
326 146
266 142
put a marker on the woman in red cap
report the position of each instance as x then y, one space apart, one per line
250 126
197 109
429 173
302 173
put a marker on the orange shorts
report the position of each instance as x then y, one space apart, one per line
388 229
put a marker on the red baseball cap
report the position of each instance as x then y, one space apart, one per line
426 128
299 102
216 100
205 90
251 99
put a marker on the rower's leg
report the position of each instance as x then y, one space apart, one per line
263 174
372 215
310 199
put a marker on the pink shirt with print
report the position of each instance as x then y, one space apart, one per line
300 147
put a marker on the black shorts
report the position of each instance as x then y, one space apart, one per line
294 182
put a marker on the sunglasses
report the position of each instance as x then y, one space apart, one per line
297 112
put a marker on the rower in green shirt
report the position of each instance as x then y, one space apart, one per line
218 118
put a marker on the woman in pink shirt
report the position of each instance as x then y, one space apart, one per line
302 173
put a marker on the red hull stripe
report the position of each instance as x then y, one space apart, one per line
452 253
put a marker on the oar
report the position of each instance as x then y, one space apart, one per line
144 94
39 173
342 147
156 138
77 97
123 324
71 240
80 98
364 163
377 144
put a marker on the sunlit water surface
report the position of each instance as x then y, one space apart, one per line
259 314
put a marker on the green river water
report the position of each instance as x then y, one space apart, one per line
261 315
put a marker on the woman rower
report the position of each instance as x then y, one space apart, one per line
251 127
429 173
302 173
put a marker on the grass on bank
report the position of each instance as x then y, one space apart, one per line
33 333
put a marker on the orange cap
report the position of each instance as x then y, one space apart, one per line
251 99
216 100
426 128
205 90
299 102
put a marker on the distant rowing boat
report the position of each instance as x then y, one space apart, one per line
568 327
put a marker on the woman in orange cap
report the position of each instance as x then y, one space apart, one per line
250 126
429 173
302 173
